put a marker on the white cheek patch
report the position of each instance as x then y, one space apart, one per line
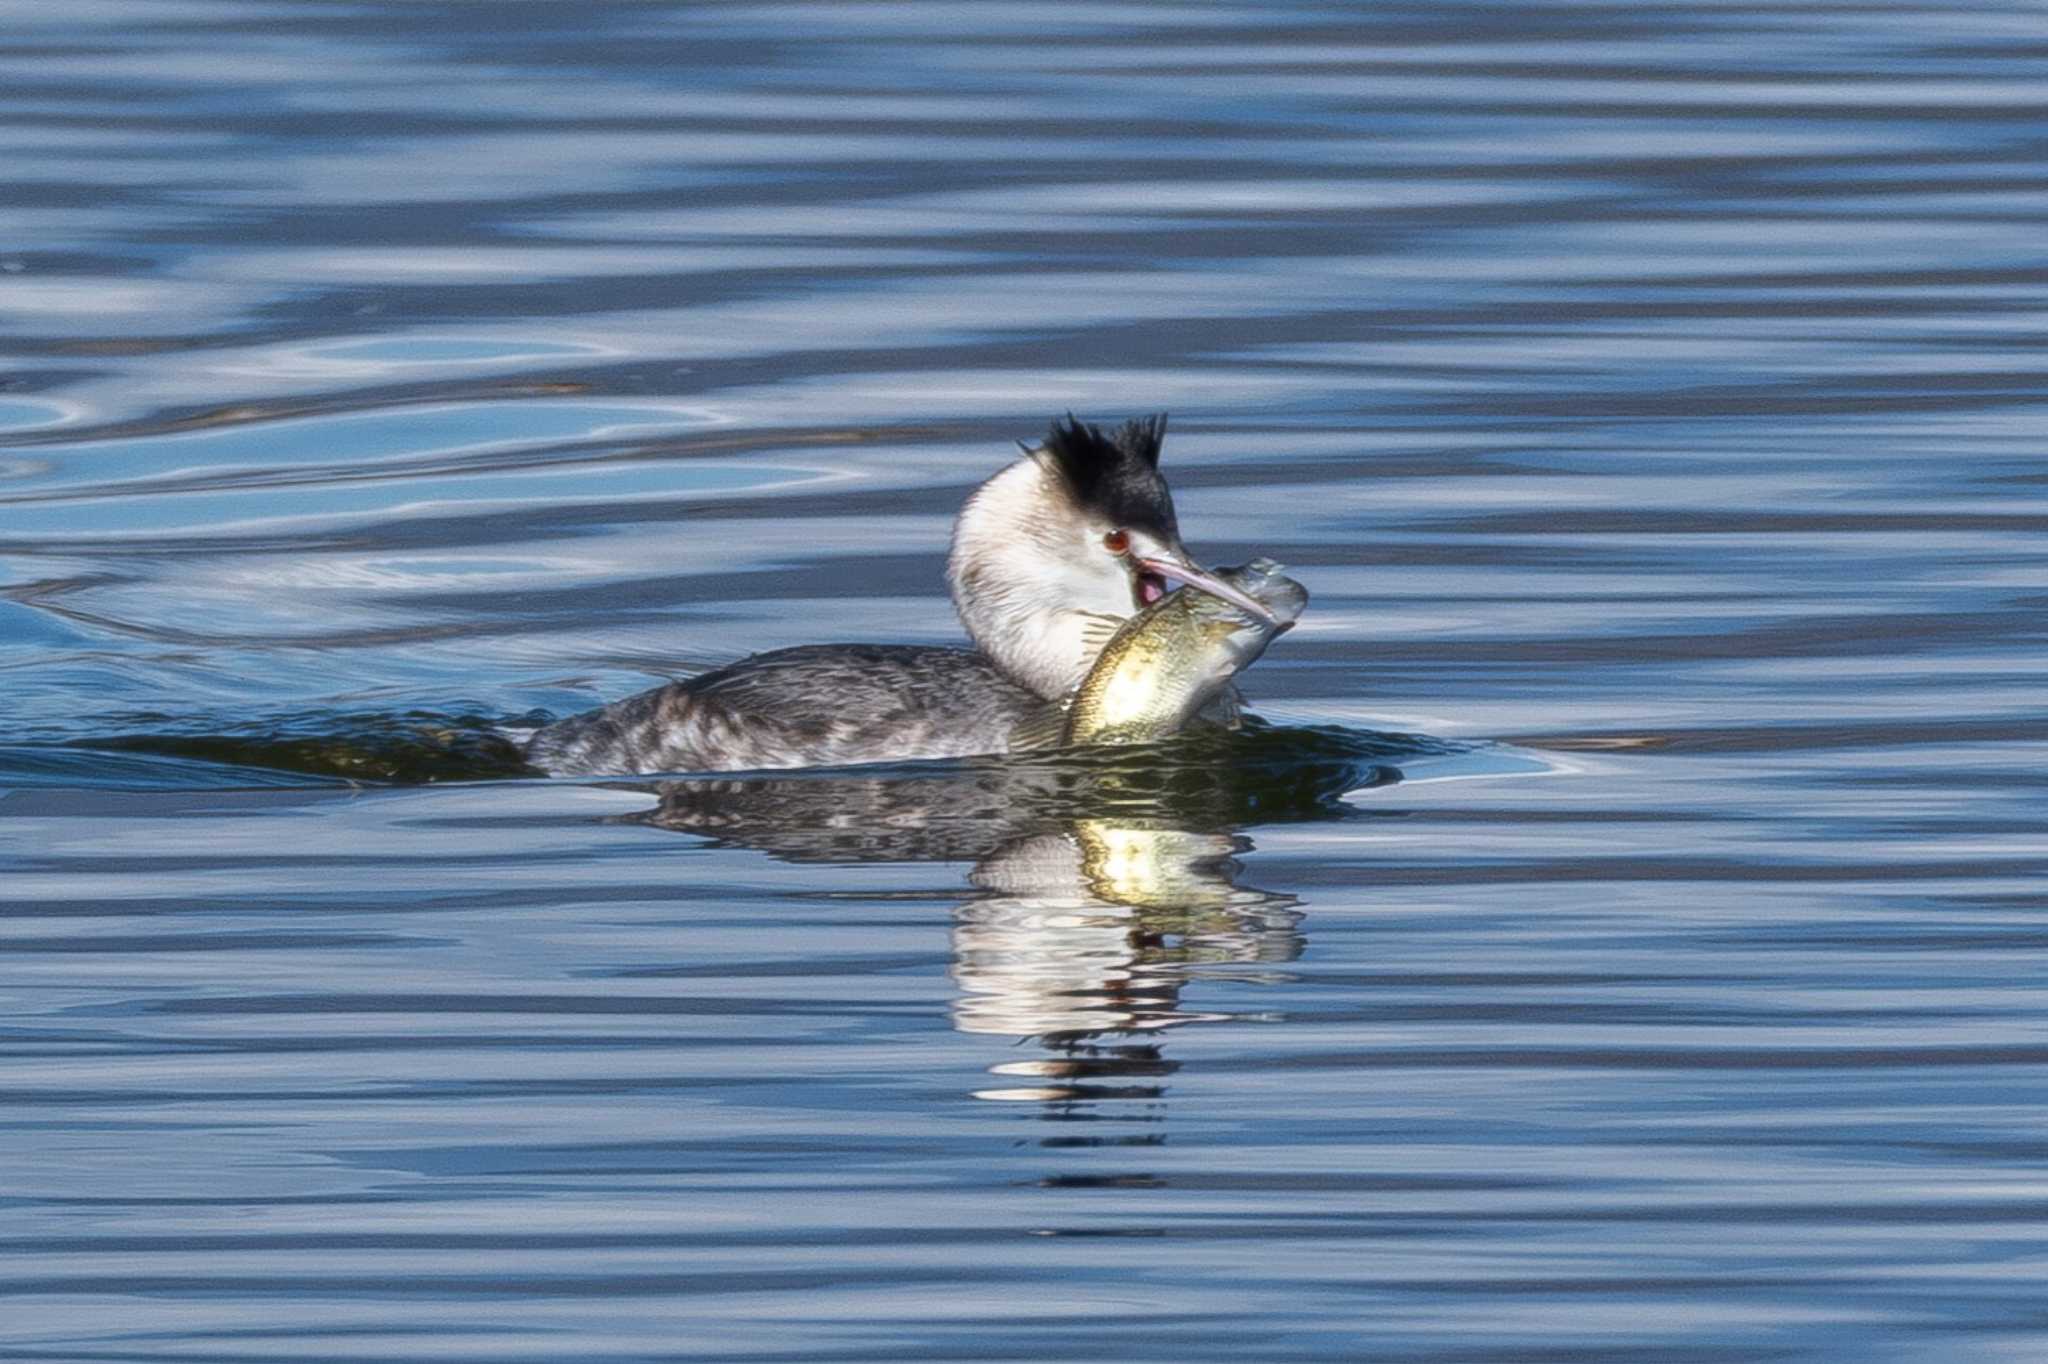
1098 583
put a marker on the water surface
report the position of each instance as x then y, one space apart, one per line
1651 395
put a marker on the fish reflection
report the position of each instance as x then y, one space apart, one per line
1102 884
1085 938
1094 930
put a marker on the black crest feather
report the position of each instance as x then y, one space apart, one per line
1116 475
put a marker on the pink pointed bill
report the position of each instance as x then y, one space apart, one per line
1201 580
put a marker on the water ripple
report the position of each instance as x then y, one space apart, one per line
1654 386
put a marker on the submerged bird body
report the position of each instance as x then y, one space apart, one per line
818 705
1164 665
1048 557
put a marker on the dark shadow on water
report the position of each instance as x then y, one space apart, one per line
406 748
970 809
1103 884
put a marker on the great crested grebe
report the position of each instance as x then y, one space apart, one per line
1048 557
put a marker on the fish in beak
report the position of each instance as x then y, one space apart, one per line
1157 572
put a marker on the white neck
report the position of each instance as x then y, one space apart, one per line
1031 579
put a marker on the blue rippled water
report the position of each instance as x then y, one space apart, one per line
1652 396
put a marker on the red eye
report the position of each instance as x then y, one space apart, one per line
1116 542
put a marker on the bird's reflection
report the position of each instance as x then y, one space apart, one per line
1102 884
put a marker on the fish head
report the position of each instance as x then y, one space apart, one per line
1235 636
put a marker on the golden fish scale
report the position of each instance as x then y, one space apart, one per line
1148 652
